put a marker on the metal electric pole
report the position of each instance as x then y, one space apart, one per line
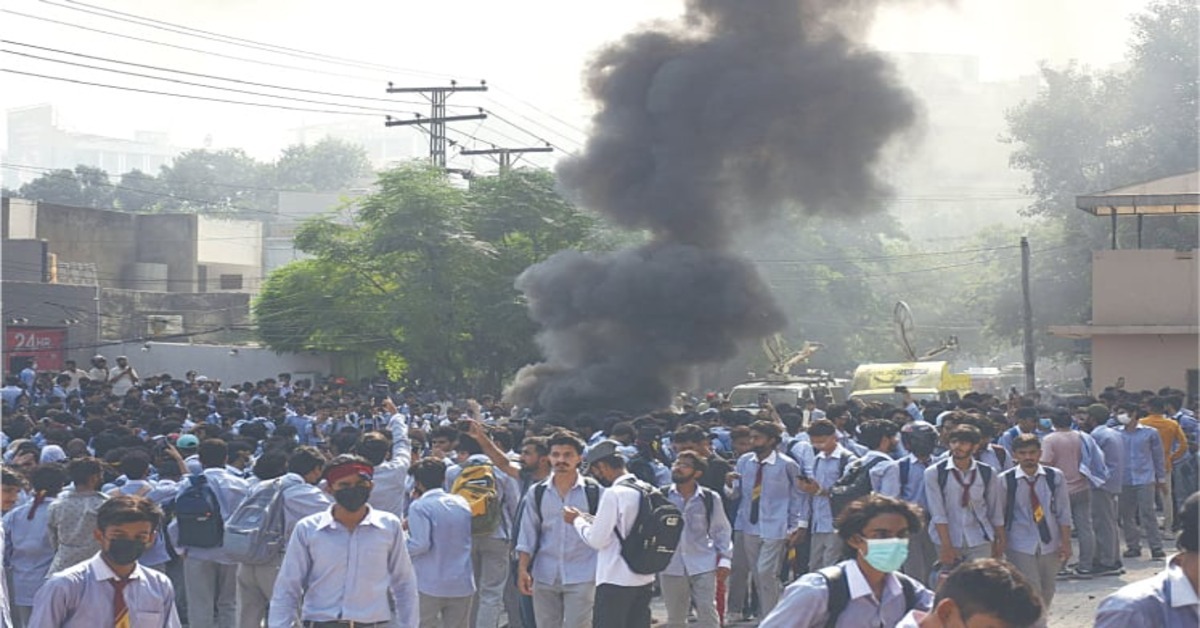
437 115
1030 359
504 156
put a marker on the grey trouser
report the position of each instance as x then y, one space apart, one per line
826 550
1137 502
739 576
922 554
680 592
1168 503
489 557
1081 519
212 593
21 615
445 612
1104 522
254 586
1039 570
766 558
566 605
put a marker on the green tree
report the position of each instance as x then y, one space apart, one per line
1090 131
82 187
138 191
329 165
424 275
226 181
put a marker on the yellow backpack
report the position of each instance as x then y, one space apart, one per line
477 485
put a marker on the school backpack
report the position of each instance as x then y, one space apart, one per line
254 534
839 593
643 469
854 483
591 489
985 474
1010 480
198 514
655 533
477 485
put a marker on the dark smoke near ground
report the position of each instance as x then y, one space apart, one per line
704 128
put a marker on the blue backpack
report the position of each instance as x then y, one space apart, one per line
198 514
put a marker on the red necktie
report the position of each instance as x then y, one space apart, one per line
1039 514
756 494
966 487
120 610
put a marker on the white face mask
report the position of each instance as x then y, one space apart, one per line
1123 419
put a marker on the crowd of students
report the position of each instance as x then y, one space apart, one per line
371 509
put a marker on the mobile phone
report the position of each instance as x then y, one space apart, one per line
901 389
763 399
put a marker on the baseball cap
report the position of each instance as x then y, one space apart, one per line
187 441
604 449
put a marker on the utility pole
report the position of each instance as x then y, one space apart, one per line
437 115
504 155
1030 359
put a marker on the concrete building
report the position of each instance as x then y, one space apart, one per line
1145 323
36 139
293 208
76 280
149 252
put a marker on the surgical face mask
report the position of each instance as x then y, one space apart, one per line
1123 419
352 498
124 551
887 555
1045 424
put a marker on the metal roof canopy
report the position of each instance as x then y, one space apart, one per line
1169 196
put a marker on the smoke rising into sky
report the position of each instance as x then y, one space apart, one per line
703 127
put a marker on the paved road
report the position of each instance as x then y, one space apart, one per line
1075 601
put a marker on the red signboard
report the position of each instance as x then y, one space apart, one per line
44 344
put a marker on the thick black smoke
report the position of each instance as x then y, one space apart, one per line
746 107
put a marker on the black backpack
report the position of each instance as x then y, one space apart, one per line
839 592
591 489
642 469
199 515
854 483
655 533
1010 480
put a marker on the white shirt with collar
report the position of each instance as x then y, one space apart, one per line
81 597
1180 589
617 511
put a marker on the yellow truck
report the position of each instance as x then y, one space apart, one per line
924 380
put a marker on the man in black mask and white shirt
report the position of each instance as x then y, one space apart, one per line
348 565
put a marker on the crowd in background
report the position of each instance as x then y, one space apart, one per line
771 501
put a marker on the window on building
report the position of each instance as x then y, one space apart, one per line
231 282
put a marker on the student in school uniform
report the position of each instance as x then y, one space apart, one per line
867 588
111 588
1035 512
962 496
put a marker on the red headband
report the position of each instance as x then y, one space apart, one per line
333 474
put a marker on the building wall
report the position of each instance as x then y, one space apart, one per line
1147 362
214 361
1145 287
49 306
82 234
25 260
169 239
125 315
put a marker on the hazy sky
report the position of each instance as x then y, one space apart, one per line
530 51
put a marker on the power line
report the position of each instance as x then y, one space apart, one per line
194 84
211 76
189 96
190 49
191 31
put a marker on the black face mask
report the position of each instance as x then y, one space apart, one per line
352 498
124 551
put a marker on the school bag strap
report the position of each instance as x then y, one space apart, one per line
839 592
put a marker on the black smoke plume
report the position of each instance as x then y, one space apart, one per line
744 108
